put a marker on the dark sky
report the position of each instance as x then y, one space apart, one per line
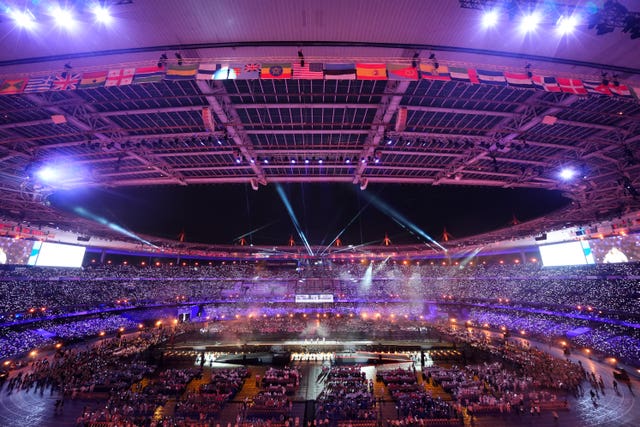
221 213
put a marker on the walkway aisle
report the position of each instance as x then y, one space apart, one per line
310 386
249 389
435 390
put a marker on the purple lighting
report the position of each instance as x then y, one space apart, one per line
567 174
490 19
23 19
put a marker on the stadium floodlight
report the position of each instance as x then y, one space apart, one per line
567 173
102 14
490 18
63 17
530 22
47 174
23 19
566 25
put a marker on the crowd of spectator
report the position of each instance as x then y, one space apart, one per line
37 292
15 342
413 401
206 403
347 395
544 302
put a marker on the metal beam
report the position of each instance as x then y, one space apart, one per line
533 121
327 178
27 124
306 132
225 111
461 111
589 125
159 165
335 106
356 105
164 110
389 104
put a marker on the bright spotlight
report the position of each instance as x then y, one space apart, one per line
47 174
566 25
23 19
530 22
63 17
102 14
567 173
490 19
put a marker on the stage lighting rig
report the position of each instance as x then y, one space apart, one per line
604 19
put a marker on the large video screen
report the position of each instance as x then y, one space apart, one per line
568 253
616 249
58 255
16 251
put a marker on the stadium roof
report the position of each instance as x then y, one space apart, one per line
264 131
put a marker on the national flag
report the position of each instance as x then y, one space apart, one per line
464 75
120 77
492 77
12 86
224 73
520 80
38 84
181 72
246 71
548 84
208 71
308 71
339 71
153 74
596 87
430 72
371 71
93 79
66 80
620 90
574 86
275 71
402 72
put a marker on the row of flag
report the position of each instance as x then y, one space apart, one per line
70 80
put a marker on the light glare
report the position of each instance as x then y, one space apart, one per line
567 25
490 19
102 14
47 174
529 22
63 17
567 173
23 19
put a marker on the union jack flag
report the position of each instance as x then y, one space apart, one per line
66 81
252 67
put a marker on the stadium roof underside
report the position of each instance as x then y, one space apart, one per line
325 131
294 130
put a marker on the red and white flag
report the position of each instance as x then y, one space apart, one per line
309 71
572 86
120 77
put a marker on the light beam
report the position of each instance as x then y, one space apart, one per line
115 227
293 217
385 208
